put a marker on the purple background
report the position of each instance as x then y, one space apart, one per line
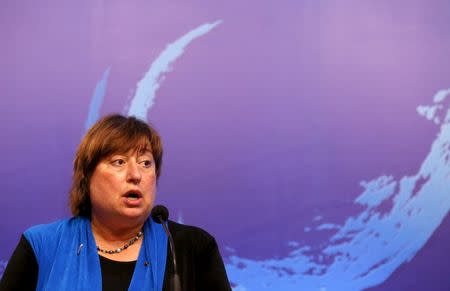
268 121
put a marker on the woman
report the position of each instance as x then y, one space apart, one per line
111 243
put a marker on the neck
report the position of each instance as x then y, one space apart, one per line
109 236
112 232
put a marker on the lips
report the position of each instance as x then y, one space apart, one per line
132 196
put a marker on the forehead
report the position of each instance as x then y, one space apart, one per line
137 146
139 150
142 151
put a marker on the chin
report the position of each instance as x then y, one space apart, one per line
138 214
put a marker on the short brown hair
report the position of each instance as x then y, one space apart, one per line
112 134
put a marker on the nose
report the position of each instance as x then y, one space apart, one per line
134 174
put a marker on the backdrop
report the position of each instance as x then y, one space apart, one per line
311 138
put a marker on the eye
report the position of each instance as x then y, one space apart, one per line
147 163
118 162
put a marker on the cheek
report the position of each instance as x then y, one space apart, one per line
149 176
103 183
151 183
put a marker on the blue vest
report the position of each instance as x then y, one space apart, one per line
68 260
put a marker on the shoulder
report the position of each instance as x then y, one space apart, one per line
52 228
201 265
191 235
35 235
183 230
49 234
41 229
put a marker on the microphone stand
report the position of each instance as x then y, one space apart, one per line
176 284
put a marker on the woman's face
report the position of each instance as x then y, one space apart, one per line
123 187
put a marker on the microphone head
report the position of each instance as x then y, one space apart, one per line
160 211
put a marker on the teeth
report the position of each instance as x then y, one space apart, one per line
132 196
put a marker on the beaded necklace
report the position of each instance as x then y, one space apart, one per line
118 250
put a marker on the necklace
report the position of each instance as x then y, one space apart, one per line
116 251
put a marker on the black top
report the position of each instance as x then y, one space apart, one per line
199 263
116 275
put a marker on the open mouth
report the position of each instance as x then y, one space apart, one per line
133 195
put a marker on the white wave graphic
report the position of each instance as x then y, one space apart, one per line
97 100
368 248
150 83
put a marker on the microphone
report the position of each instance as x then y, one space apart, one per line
160 211
160 214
